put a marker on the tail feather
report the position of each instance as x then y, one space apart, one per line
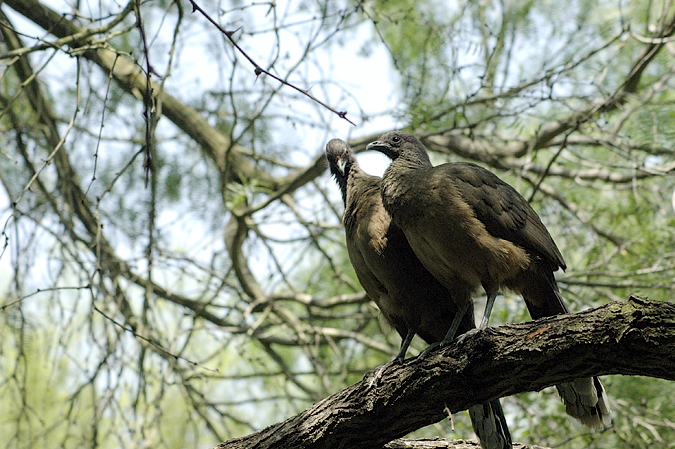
541 294
586 401
489 423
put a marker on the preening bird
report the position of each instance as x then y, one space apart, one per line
410 299
471 229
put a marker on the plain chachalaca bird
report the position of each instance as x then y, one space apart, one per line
410 299
470 229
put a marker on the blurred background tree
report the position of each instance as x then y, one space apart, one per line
173 264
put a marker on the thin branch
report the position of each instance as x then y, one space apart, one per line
259 70
158 348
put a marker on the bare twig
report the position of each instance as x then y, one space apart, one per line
259 70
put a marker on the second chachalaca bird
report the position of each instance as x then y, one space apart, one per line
470 229
410 299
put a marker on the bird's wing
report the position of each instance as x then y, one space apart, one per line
503 211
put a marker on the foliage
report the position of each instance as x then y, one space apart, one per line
174 265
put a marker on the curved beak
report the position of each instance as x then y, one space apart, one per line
341 164
377 146
382 147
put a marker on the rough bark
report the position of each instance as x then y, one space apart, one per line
438 443
635 337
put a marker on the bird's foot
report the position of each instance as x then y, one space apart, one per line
468 334
430 348
398 359
443 343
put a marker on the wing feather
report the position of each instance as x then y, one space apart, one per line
502 210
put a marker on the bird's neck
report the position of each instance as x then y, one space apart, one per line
359 183
342 184
361 188
397 182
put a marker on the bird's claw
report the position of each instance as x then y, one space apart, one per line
462 338
430 348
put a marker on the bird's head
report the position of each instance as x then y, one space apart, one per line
399 145
340 158
340 161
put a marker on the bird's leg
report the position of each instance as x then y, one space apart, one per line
405 344
491 296
450 335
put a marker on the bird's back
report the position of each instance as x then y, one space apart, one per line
489 233
503 211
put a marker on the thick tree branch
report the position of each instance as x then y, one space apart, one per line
438 443
635 337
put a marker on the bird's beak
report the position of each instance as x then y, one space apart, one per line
382 147
341 164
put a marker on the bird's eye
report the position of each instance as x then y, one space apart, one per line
396 139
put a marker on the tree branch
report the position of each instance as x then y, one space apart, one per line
439 443
132 79
483 150
635 337
259 70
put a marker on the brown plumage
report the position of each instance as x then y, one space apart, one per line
471 229
408 296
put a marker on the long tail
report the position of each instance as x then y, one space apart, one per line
489 423
584 399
